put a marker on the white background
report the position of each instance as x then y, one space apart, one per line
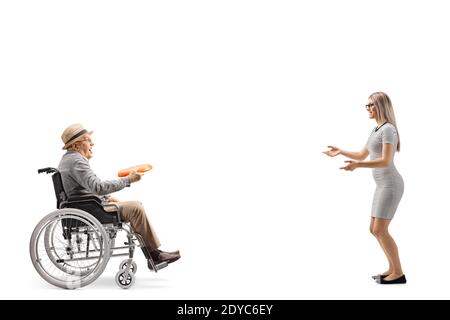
232 102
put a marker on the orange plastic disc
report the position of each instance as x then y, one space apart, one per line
140 169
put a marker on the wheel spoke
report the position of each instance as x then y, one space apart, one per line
59 248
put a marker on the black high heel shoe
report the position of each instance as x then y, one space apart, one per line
400 280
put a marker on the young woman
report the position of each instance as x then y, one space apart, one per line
381 146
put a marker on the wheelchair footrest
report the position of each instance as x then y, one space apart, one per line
161 265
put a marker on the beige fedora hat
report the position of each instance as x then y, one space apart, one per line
72 134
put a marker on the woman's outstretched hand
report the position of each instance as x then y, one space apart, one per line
351 165
333 152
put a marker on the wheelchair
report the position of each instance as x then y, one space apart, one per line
71 246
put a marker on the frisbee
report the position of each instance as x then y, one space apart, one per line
139 169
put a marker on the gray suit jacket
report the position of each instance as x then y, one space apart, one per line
78 178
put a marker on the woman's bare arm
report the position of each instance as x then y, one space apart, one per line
334 151
359 156
384 161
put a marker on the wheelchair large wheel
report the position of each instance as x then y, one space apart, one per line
69 248
79 242
59 251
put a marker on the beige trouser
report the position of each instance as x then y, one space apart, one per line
134 213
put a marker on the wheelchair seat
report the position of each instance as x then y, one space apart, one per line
89 203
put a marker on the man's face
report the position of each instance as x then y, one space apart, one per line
86 147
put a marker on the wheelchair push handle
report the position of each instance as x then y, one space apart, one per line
47 170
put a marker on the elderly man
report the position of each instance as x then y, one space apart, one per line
79 179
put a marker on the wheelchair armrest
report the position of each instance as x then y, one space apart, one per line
93 206
74 201
115 207
84 198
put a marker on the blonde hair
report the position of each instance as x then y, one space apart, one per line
383 105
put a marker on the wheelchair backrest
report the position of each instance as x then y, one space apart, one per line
57 185
59 189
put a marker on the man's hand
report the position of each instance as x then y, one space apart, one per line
113 200
134 176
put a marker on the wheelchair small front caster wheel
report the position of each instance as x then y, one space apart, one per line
124 265
125 281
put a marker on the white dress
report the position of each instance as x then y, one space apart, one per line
389 182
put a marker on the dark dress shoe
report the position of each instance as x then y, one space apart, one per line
166 257
377 276
163 257
399 280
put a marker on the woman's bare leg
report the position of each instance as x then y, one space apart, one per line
380 231
389 271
